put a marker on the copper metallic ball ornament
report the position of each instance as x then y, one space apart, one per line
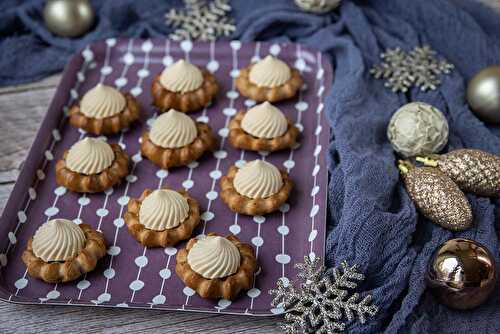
461 274
68 18
483 94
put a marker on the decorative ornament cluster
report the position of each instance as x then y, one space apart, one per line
323 301
402 70
201 20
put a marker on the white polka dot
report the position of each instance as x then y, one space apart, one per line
229 112
316 170
165 273
220 154
123 200
314 210
114 250
300 64
162 173
318 130
253 293
317 150
122 305
170 251
321 89
285 280
215 174
108 191
235 45
32 193
53 294
142 73
137 157
21 216
40 174
12 237
264 153
83 284
136 91
313 235
299 126
147 46
56 135
77 221
48 155
186 45
128 58
122 145
102 212
320 73
120 82
257 241
259 219
289 164
111 42
3 259
21 283
106 70
314 191
277 310
212 195
88 55
240 163
232 94
275 49
312 256
213 66
255 59
118 222
131 178
235 229
283 230
193 164
104 297
224 132
188 291
188 184
141 261
202 119
207 216
301 106
136 285
235 73
159 299
249 103
223 303
109 273
283 258
52 211
80 77
285 207
83 201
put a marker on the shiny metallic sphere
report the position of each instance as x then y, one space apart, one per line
461 274
68 18
483 94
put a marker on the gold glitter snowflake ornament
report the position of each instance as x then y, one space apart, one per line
324 301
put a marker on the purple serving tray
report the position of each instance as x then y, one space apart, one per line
137 277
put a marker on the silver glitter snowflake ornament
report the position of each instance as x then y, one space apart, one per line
201 20
402 70
324 301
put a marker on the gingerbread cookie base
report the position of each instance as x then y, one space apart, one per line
242 140
227 287
253 206
95 182
107 125
165 238
71 269
165 99
272 94
173 157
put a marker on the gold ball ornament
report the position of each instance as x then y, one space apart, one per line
461 274
483 94
68 18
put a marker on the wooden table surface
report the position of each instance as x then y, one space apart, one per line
22 108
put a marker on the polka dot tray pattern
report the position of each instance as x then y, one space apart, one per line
134 276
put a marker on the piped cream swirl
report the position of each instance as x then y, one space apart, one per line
258 179
214 257
264 121
182 77
270 72
102 101
173 129
163 209
90 156
58 240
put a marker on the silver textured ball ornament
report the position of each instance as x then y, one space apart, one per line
317 6
417 128
483 94
461 274
68 18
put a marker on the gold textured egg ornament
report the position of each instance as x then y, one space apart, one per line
68 18
436 196
461 274
483 94
472 170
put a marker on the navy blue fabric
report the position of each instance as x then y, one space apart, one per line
372 221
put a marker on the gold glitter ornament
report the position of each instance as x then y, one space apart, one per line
436 196
472 170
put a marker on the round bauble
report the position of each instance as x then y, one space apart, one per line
68 18
461 274
483 94
417 128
